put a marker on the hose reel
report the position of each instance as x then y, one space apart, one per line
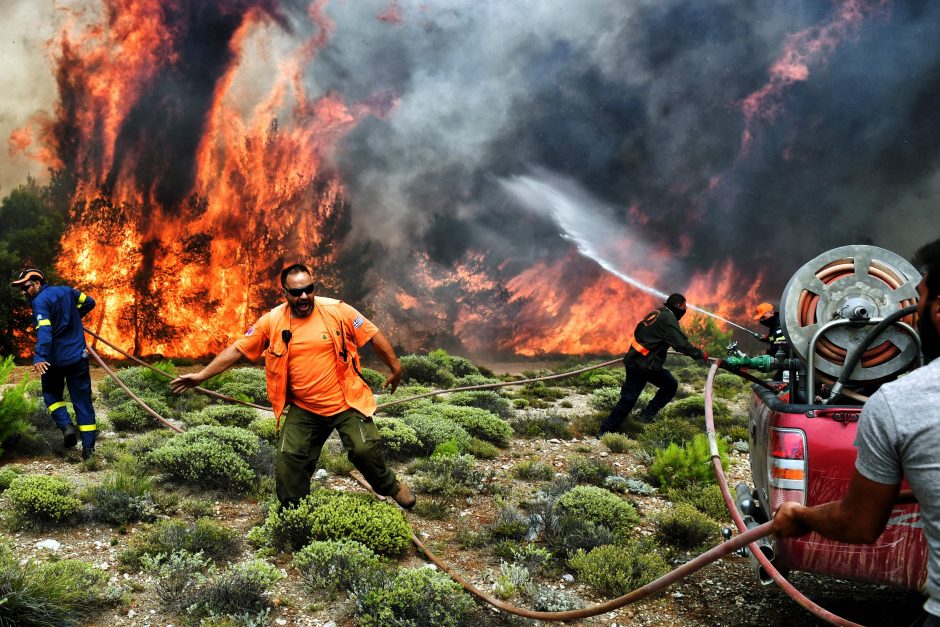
832 298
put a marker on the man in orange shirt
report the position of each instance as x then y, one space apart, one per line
310 345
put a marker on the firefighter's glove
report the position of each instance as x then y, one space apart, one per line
705 357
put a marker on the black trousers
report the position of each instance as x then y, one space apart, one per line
636 380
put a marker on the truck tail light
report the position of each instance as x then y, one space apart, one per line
787 468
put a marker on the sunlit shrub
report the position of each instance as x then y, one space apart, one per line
542 426
617 569
246 384
482 399
425 371
15 405
264 428
398 409
448 475
477 422
588 470
373 378
601 507
142 381
123 496
7 475
481 449
212 457
130 416
432 431
224 415
339 565
617 442
682 466
205 536
42 499
509 523
685 527
706 498
399 441
533 470
665 431
604 399
416 597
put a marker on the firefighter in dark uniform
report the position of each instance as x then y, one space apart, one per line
61 357
653 337
769 317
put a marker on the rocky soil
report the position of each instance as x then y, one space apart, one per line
724 593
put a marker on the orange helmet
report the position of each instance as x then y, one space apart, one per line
763 308
29 274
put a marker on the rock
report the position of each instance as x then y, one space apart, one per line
568 578
330 624
280 621
677 595
51 545
321 474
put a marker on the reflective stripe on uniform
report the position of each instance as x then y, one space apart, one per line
639 348
87 427
44 323
81 299
56 406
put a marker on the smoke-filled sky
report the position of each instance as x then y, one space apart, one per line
758 133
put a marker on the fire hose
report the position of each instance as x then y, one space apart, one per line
746 538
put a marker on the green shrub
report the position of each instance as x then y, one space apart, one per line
7 475
326 515
682 466
665 431
586 470
533 470
617 569
53 594
540 391
432 509
705 498
483 399
140 445
373 378
692 408
685 527
123 496
474 379
448 475
542 426
205 536
42 499
418 596
459 366
729 385
425 371
339 566
15 405
594 379
264 428
142 381
617 442
482 449
246 384
130 416
477 422
400 408
335 460
604 399
197 508
399 441
212 457
600 507
432 431
509 524
224 415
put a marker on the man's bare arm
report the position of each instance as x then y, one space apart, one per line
858 517
222 362
386 353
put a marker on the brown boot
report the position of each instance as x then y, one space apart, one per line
405 497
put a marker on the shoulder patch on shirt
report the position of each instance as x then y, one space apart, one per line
250 331
38 316
358 322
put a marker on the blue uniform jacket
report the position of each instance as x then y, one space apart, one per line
58 311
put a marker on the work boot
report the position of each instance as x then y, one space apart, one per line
405 497
646 418
70 435
88 452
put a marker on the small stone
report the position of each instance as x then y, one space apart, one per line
50 544
568 578
131 614
555 441
430 566
604 453
330 624
321 474
677 595
280 621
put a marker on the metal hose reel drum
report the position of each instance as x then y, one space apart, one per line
833 296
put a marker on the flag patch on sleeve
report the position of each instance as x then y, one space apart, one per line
358 322
250 331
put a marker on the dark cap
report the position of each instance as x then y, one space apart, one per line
29 274
675 300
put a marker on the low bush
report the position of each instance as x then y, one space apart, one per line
729 386
419 596
603 399
587 470
677 466
540 391
222 415
448 475
483 399
542 426
347 566
481 449
692 408
533 470
7 475
142 381
601 507
246 384
509 524
53 594
123 496
399 441
617 569
398 409
425 371
665 431
130 416
617 442
42 499
705 498
684 527
474 379
211 457
15 405
595 379
327 515
334 459
264 428
432 431
373 378
432 509
205 536
477 422
459 366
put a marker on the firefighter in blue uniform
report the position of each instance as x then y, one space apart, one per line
61 357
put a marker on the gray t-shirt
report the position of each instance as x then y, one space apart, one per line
899 435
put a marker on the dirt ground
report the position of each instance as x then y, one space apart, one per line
724 593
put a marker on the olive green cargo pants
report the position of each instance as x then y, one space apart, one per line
301 440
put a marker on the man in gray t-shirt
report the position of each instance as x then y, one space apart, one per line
898 436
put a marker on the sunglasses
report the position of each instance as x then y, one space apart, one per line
297 291
25 287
